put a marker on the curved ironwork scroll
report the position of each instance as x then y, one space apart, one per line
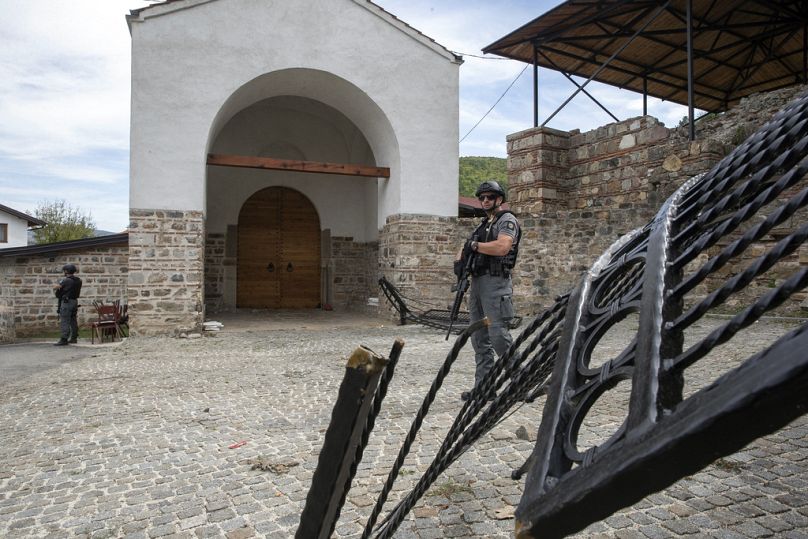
722 219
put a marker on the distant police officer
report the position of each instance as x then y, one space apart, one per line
68 291
496 244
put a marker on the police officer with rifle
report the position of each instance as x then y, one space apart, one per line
68 291
489 258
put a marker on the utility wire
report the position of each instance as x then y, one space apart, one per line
481 57
496 103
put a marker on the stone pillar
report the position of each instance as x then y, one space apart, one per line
416 253
166 256
538 162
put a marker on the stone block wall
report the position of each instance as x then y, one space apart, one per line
355 273
538 161
416 253
558 247
615 179
636 163
26 285
215 263
576 193
166 268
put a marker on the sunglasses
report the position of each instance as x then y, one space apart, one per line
482 198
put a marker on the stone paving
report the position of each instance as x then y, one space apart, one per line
143 440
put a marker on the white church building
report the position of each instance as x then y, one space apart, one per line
284 155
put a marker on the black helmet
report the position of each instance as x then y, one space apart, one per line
490 186
69 268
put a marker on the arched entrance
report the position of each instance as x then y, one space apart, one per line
278 251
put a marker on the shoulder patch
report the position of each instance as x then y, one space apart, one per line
509 225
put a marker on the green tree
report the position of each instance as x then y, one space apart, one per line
475 170
64 223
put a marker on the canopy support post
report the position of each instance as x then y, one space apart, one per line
535 86
644 95
691 124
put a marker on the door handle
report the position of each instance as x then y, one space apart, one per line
289 267
270 267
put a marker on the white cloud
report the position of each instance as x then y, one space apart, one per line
64 73
64 105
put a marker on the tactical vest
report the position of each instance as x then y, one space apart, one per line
71 288
495 265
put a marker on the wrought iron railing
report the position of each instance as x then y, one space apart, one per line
736 230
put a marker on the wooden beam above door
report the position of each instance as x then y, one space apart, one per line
270 163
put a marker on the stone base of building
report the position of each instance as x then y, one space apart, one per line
416 254
7 332
166 267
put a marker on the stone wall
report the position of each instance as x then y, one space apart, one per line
216 261
166 268
416 253
613 180
27 285
355 273
576 193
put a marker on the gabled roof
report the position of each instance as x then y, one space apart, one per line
32 221
167 6
740 47
72 245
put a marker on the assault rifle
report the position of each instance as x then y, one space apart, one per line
58 293
462 283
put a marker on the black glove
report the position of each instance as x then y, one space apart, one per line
458 268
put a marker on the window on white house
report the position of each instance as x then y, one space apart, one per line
3 233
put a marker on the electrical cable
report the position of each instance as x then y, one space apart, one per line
481 57
496 103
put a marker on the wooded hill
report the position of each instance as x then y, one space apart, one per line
475 170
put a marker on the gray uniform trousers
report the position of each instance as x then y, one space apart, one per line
68 319
492 297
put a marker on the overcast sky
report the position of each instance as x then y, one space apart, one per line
64 94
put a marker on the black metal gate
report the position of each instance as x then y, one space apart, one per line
748 214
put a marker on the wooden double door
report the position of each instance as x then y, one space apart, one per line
278 251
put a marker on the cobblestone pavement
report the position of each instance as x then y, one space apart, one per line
135 442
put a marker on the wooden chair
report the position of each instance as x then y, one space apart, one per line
106 325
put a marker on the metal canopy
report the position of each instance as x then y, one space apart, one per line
739 47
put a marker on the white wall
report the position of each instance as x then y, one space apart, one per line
17 231
197 63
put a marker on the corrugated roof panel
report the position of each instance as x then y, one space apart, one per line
740 46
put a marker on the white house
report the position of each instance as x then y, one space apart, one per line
14 227
275 146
